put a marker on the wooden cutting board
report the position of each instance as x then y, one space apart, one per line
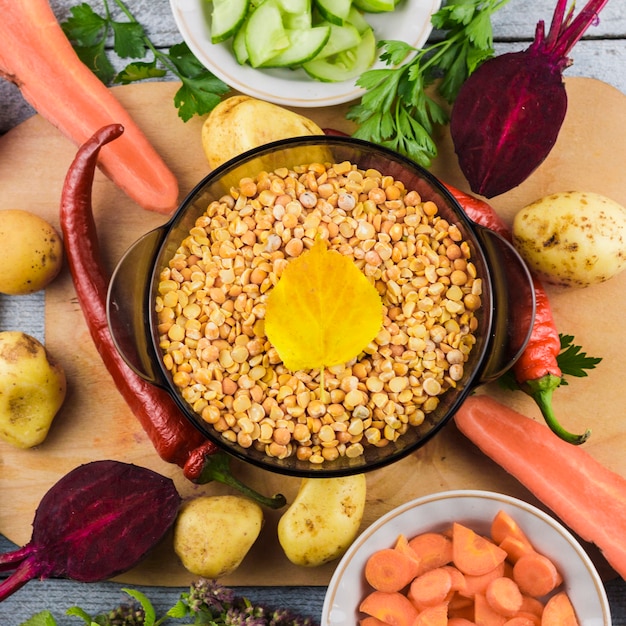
96 424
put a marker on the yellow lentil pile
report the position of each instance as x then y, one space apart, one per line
211 306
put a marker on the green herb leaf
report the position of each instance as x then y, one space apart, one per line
85 27
146 605
137 71
129 40
45 618
467 42
572 360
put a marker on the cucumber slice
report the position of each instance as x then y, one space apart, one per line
295 6
265 34
305 45
334 11
375 6
341 38
346 65
239 44
227 17
357 19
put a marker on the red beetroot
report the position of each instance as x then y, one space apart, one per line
508 114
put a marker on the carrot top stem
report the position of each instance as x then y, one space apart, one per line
541 390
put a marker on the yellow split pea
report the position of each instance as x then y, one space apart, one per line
211 309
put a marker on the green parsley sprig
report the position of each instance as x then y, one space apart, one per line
206 602
396 110
89 33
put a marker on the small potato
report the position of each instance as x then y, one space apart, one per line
572 239
323 520
32 390
241 123
31 252
213 534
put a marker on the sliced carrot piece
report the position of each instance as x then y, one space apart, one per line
504 596
433 616
536 575
559 611
515 548
457 577
531 605
472 553
503 526
460 621
431 588
390 570
393 608
432 549
484 615
371 621
402 545
523 620
478 584
460 606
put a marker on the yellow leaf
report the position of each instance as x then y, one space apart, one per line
323 311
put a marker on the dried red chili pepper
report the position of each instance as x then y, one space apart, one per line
175 439
537 371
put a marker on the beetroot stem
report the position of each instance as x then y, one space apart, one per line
25 572
574 29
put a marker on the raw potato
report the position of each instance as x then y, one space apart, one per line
31 252
32 389
241 123
323 520
213 534
572 239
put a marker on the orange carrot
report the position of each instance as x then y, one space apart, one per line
478 584
503 526
433 550
594 507
531 605
559 611
371 621
523 620
515 548
390 570
484 615
536 575
433 616
36 55
456 576
474 554
504 596
402 545
460 621
462 607
430 588
393 608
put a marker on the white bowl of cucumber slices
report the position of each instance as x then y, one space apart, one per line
298 53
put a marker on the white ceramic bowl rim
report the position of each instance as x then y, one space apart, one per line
470 507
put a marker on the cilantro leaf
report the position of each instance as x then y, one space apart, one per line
139 71
84 27
129 40
198 95
572 360
95 58
45 618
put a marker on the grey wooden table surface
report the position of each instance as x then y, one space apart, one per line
601 54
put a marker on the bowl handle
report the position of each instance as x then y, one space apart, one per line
127 306
513 305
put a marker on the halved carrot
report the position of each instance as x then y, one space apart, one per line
393 608
432 549
36 55
536 575
431 588
531 605
594 508
504 596
390 570
472 553
484 615
559 611
522 620
503 525
433 616
371 621
515 548
478 584
457 577
402 545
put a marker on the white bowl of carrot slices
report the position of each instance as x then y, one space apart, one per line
461 558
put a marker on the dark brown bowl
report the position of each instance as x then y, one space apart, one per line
502 330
